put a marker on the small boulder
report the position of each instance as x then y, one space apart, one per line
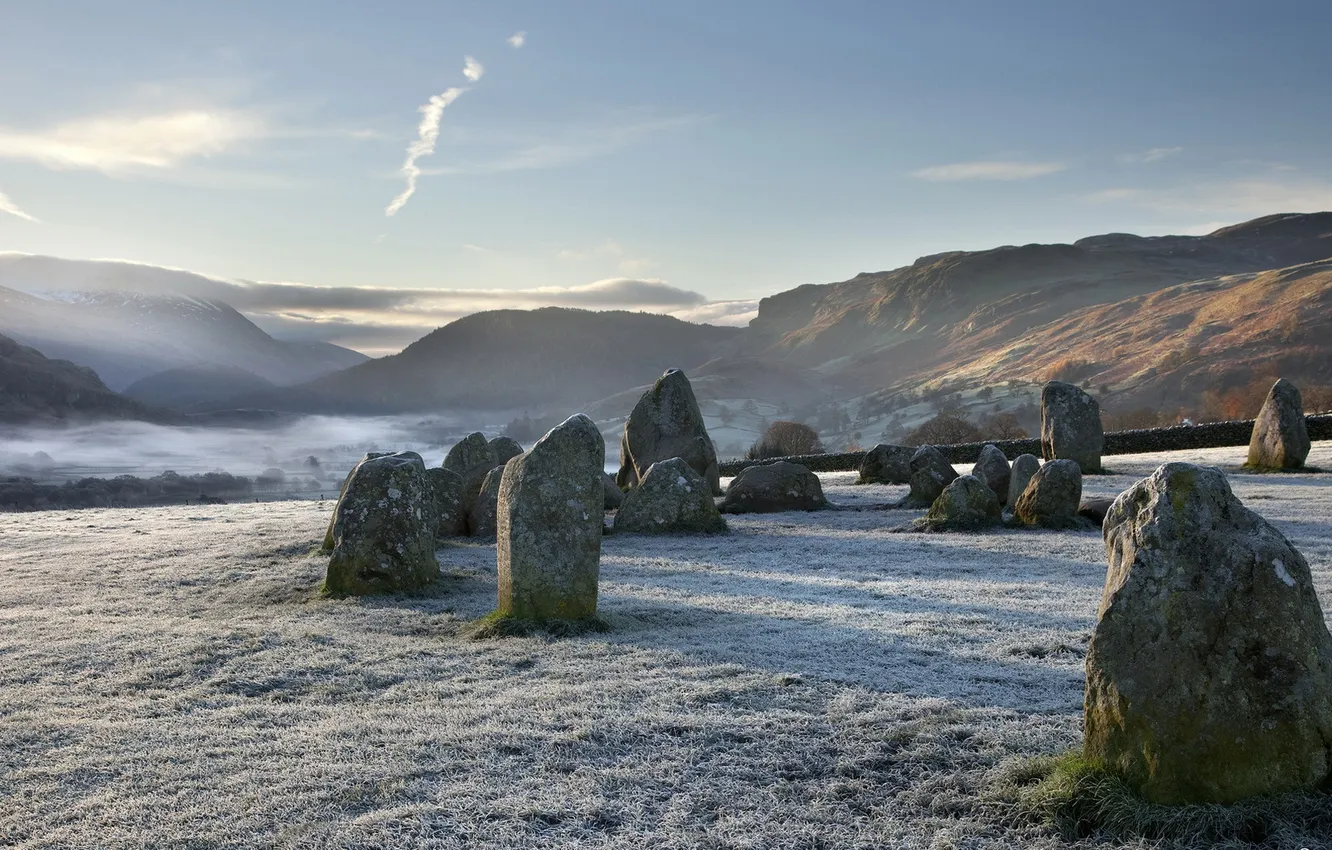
1095 509
966 504
1052 498
481 518
1280 435
550 522
505 449
993 471
1071 426
672 497
1209 673
930 474
667 423
1024 467
446 486
614 495
773 487
384 529
885 464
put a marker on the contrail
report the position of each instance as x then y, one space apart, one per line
8 206
427 136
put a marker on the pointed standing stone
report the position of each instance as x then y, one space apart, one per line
1280 436
667 423
1071 426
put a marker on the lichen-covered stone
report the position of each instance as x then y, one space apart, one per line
930 474
327 545
773 487
1280 436
1071 426
993 471
966 504
1053 496
886 464
384 529
672 497
549 523
667 423
472 457
614 495
505 449
447 487
1023 468
1209 674
481 519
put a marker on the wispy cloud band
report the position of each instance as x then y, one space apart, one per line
988 170
427 136
8 206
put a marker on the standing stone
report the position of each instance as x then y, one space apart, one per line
966 504
327 545
1280 436
667 423
549 523
447 489
993 470
1209 674
1052 498
471 458
505 449
1024 467
384 529
1071 426
1095 509
481 519
930 474
614 495
885 464
773 487
672 497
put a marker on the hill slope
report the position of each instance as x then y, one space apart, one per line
518 359
197 388
36 388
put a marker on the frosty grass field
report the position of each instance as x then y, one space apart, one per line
171 677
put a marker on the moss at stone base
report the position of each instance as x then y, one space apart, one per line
1082 800
498 624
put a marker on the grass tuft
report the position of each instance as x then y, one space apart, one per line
1080 801
499 625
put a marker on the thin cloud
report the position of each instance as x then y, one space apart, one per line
117 144
427 135
988 170
8 206
1152 155
1233 200
518 39
472 69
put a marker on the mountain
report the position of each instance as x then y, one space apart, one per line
515 360
927 318
131 333
35 388
195 389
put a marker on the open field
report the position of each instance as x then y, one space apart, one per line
169 677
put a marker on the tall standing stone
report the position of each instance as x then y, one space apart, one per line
384 528
1071 426
1209 674
447 489
667 423
549 521
993 470
1280 435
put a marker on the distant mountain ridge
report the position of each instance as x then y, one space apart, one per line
126 335
34 388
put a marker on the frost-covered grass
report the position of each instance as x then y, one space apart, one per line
171 677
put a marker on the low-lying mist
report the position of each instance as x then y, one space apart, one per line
305 455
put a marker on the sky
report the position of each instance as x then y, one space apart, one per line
685 157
